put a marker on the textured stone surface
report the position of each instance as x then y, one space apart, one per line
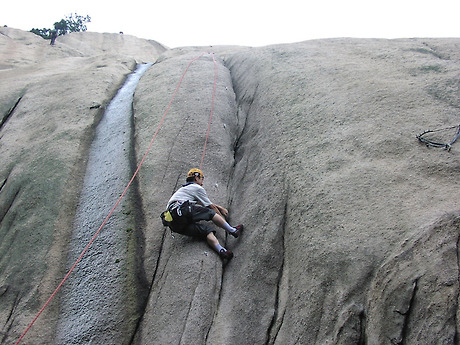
351 224
61 95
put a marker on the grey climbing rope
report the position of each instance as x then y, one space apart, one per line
433 143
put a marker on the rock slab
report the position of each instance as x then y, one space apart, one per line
351 224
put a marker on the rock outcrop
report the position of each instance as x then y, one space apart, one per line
352 225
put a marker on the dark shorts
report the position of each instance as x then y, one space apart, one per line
186 221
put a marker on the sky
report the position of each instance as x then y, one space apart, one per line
177 23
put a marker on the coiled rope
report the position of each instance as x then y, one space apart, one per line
433 143
131 181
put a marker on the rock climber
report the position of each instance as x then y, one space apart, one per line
189 205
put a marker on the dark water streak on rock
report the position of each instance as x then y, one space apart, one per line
93 303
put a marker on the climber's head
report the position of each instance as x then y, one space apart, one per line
195 175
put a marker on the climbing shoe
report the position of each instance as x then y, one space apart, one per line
239 230
226 254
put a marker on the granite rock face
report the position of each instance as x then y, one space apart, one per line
51 100
352 225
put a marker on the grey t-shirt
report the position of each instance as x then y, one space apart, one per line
192 192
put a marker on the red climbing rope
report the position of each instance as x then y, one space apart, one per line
129 184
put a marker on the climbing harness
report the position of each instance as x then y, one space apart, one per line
433 143
131 181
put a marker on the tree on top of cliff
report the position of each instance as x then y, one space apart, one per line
72 23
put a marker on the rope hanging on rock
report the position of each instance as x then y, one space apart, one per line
430 142
129 184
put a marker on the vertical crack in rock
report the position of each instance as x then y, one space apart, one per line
252 149
3 183
9 113
280 306
13 307
10 319
146 298
206 337
244 103
142 284
9 295
150 284
219 294
8 204
362 328
407 314
190 306
412 286
238 155
241 116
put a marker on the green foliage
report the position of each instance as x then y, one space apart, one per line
45 33
72 23
77 23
